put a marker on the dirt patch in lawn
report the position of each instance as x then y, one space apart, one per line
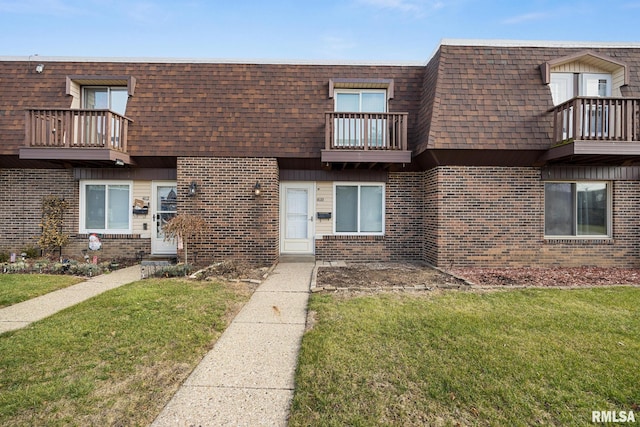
550 277
409 276
379 276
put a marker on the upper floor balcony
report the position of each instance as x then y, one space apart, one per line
366 138
595 126
75 135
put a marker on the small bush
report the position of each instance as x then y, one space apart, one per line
84 269
31 252
15 267
178 270
4 257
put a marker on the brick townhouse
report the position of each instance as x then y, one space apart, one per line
489 154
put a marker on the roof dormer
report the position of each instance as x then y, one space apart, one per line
588 62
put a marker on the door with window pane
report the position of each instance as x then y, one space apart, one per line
356 130
562 90
297 213
164 206
95 125
596 116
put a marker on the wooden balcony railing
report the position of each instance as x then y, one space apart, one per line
597 119
366 131
72 128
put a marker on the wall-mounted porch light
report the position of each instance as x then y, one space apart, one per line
257 190
193 189
119 162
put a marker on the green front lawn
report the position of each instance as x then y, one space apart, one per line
530 357
15 288
115 359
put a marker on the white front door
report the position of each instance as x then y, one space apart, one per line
297 218
163 208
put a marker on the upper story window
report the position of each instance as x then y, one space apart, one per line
587 74
361 100
565 86
112 98
101 92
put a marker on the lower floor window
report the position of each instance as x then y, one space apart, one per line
359 208
105 207
577 209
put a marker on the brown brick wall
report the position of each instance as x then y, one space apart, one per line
403 228
352 249
21 194
21 213
494 217
430 210
113 246
241 225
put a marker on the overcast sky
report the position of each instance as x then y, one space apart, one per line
358 30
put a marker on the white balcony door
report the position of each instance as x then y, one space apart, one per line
163 209
297 218
350 131
104 98
596 85
562 89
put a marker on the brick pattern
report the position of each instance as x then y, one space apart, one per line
430 242
403 228
494 217
241 225
21 204
404 213
113 246
352 249
21 213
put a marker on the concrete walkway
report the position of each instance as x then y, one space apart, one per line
22 314
247 379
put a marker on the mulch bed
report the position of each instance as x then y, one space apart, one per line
550 277
379 276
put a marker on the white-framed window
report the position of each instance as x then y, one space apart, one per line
577 209
563 85
105 206
357 130
361 100
112 98
359 208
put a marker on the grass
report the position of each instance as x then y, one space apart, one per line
15 288
115 359
525 357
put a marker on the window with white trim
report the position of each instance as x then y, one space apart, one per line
105 206
577 209
112 98
361 122
359 208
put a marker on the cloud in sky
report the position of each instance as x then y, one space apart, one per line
518 19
